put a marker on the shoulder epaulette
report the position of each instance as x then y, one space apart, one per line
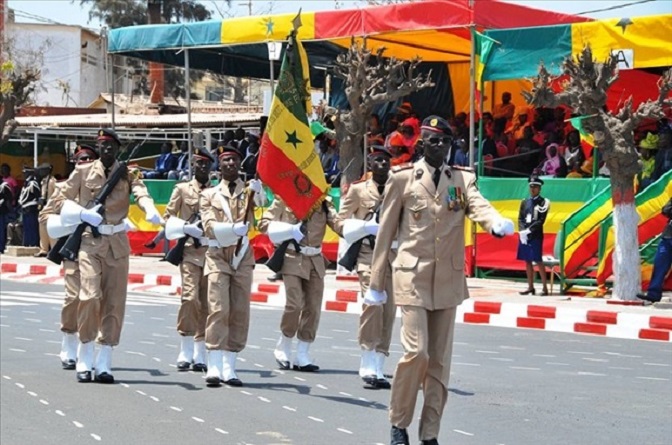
359 181
401 167
466 169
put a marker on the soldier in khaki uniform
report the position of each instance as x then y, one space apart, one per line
193 312
229 264
47 187
68 355
103 261
358 215
303 274
425 205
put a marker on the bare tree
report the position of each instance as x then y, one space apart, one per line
370 80
19 78
586 94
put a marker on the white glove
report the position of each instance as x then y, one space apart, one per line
371 227
374 297
255 186
152 215
129 226
240 229
193 230
296 232
502 227
523 235
91 216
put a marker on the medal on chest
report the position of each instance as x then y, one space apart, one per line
455 199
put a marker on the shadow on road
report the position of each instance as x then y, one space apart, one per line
153 372
459 392
187 386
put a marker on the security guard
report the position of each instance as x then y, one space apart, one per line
303 273
357 219
68 355
47 186
425 205
193 312
103 261
226 212
531 218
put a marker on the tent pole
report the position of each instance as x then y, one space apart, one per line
35 148
187 89
472 110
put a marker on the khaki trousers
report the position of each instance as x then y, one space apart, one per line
102 296
228 310
303 306
45 242
193 312
376 322
69 309
427 338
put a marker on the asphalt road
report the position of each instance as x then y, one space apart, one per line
508 386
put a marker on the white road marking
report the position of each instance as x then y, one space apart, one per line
46 330
140 392
321 386
125 385
600 360
198 419
580 352
156 359
77 424
60 413
264 399
269 339
316 419
501 359
557 364
343 430
657 364
512 348
341 331
295 378
142 354
544 355
653 378
345 394
34 320
618 354
463 432
466 364
258 365
6 377
219 430
96 437
160 335
31 393
17 350
175 408
524 368
144 342
596 374
51 354
622 368
20 385
157 318
29 312
246 393
156 399
44 402
4 325
487 352
289 408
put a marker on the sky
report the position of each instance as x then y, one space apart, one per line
71 13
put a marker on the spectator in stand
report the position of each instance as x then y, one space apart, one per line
503 113
663 162
249 164
240 136
6 174
398 149
662 263
554 165
575 170
646 148
181 172
404 112
461 157
573 149
488 125
166 162
410 132
460 126
530 150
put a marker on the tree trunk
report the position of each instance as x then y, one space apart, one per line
627 282
351 159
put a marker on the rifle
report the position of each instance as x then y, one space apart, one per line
176 254
70 249
54 254
276 260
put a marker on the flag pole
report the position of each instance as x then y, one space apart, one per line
472 85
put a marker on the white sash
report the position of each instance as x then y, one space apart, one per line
235 262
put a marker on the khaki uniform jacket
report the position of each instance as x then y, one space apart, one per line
84 184
429 268
212 211
315 227
50 207
47 187
184 202
360 202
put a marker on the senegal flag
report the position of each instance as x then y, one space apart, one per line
483 48
587 140
288 162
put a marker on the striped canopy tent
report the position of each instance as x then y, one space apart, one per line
436 30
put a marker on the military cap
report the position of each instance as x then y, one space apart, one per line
436 124
228 149
535 180
83 150
405 108
201 153
376 150
108 134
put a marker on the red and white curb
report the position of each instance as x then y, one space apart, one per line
472 311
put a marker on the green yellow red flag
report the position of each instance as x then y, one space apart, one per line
587 140
288 163
483 48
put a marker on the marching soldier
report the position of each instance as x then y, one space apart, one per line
68 355
103 260
226 212
303 271
47 187
183 216
425 204
358 223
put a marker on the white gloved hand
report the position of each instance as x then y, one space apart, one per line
129 226
240 229
255 186
502 227
374 297
193 230
91 216
152 215
296 232
523 235
371 227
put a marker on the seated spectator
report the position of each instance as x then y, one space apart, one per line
528 147
646 149
488 125
460 126
503 113
374 129
404 112
575 170
398 149
181 172
554 165
461 157
573 149
410 132
166 162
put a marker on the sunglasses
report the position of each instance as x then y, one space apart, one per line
84 158
440 140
